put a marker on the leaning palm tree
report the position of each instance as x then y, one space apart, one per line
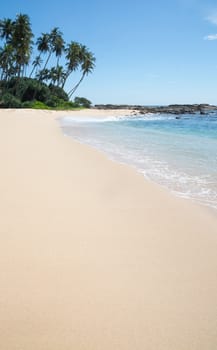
60 75
52 43
73 59
43 75
36 63
53 75
87 60
43 45
57 43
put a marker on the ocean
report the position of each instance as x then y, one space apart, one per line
179 154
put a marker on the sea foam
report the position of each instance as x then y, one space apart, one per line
180 154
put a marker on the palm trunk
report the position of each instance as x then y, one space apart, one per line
72 91
47 60
66 77
32 71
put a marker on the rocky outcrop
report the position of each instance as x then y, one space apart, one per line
170 109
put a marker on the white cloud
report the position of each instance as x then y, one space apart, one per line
211 37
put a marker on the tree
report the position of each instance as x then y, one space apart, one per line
59 73
82 102
73 59
7 60
43 75
43 44
87 61
57 43
52 43
36 63
21 41
7 52
6 29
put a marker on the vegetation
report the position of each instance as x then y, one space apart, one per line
39 81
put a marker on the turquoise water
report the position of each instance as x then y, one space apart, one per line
180 154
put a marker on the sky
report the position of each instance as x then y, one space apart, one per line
147 52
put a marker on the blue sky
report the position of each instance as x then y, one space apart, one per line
148 52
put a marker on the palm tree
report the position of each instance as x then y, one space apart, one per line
52 43
60 75
6 29
87 60
43 75
43 44
22 41
73 59
36 63
53 75
57 43
7 61
6 32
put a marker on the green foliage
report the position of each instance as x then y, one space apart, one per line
39 105
9 101
27 104
58 92
82 102
66 105
31 93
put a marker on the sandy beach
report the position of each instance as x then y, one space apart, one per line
93 256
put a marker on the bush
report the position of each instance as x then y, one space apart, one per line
58 92
66 105
10 101
27 104
53 101
39 105
82 102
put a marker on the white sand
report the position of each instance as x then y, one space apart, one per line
92 256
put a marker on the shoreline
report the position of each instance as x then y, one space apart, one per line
92 255
107 113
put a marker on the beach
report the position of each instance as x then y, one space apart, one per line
92 255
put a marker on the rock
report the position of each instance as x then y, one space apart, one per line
170 109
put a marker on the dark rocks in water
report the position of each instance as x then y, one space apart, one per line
177 109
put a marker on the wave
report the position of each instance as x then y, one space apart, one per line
172 154
148 116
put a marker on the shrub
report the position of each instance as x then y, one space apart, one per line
27 104
58 92
39 105
10 101
82 102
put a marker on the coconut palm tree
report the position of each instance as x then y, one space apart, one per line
87 61
60 75
6 32
22 41
36 63
7 62
57 43
43 45
73 59
6 29
52 43
43 75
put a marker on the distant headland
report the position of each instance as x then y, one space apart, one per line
170 109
